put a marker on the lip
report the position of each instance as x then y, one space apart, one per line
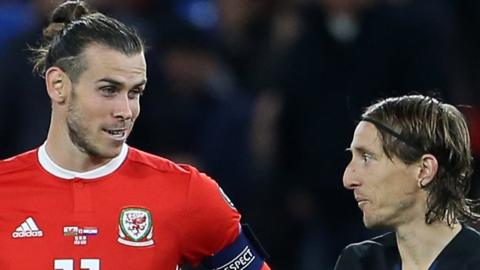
360 200
114 137
361 203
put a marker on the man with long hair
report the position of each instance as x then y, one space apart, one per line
410 173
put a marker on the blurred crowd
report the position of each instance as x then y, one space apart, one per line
263 95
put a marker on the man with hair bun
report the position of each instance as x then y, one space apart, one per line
86 200
410 173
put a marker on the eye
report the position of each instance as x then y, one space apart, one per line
135 93
366 157
108 90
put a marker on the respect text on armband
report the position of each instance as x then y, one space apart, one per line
242 261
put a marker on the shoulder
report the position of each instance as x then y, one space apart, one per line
463 252
469 240
472 233
366 247
18 163
160 164
366 254
471 248
146 165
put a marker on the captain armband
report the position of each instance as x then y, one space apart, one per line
245 253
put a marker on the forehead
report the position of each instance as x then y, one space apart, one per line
366 136
103 61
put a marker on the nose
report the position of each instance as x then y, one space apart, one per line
123 108
350 177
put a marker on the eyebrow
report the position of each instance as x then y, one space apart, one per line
112 81
118 83
359 149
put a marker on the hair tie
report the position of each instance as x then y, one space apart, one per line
392 132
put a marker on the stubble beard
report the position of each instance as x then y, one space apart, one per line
376 222
381 220
373 223
78 131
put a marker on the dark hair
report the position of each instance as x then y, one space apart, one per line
414 125
73 26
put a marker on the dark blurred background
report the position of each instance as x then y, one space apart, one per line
263 95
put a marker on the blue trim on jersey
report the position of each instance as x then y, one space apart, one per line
240 255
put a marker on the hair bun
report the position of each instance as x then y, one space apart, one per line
70 11
67 12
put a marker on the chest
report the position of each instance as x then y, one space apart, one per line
78 226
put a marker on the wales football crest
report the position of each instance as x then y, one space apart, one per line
135 227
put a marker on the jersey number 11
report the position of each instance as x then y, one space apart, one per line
85 264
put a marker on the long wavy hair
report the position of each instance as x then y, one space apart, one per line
414 125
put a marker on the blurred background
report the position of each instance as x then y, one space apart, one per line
264 95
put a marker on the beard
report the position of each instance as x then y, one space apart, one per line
79 132
392 218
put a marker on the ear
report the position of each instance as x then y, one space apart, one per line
58 85
428 170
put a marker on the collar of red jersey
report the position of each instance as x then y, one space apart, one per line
60 172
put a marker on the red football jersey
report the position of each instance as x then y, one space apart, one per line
139 212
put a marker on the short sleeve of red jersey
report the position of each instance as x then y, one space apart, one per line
211 222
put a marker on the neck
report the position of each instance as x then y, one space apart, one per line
71 158
63 152
420 244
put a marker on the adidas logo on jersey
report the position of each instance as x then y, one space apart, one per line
28 229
